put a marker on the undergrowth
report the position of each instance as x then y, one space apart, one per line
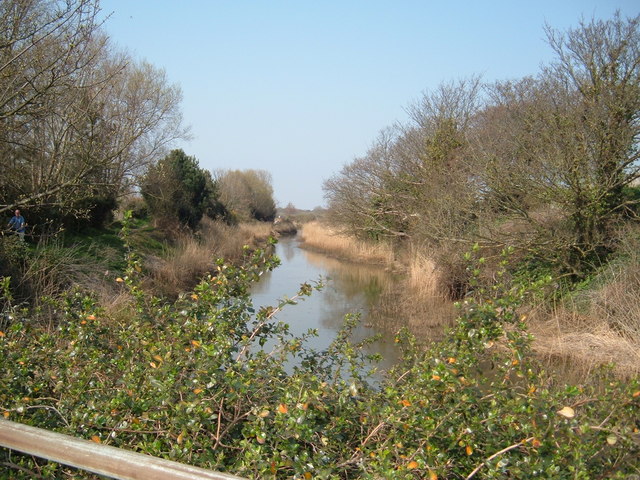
192 380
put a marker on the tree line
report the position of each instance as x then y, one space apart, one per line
547 163
81 122
178 192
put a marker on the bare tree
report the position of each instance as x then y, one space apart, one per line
539 163
247 194
556 151
90 130
412 183
42 46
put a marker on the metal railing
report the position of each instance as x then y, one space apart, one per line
97 458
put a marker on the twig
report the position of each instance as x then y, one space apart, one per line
23 469
605 420
219 423
49 407
401 377
504 450
378 427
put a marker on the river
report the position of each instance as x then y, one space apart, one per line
348 288
357 288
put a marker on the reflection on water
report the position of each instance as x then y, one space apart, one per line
352 284
373 293
349 288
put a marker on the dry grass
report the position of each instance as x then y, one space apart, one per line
602 323
424 280
193 257
617 302
255 233
185 264
581 343
182 268
358 273
424 302
54 268
320 236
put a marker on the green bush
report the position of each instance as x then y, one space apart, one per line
208 380
178 191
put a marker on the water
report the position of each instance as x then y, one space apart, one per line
348 288
355 288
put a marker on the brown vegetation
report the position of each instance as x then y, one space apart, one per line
424 278
322 237
600 324
194 256
581 343
416 301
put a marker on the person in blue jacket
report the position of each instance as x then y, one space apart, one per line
18 224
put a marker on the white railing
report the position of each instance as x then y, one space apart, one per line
97 458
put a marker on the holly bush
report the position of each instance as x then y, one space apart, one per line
212 381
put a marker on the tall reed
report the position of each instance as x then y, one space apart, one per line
321 236
423 278
193 256
416 300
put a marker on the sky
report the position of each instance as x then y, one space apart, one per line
301 88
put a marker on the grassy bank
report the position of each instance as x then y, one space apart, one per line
191 256
594 325
171 262
599 320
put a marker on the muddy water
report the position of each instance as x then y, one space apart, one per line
348 288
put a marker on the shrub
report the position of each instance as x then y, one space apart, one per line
137 206
208 380
178 191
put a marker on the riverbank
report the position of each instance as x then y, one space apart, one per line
415 301
193 255
597 326
320 236
169 262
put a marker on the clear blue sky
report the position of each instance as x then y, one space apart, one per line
300 88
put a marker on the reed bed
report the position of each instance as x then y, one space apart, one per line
320 236
426 317
417 299
424 280
193 256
